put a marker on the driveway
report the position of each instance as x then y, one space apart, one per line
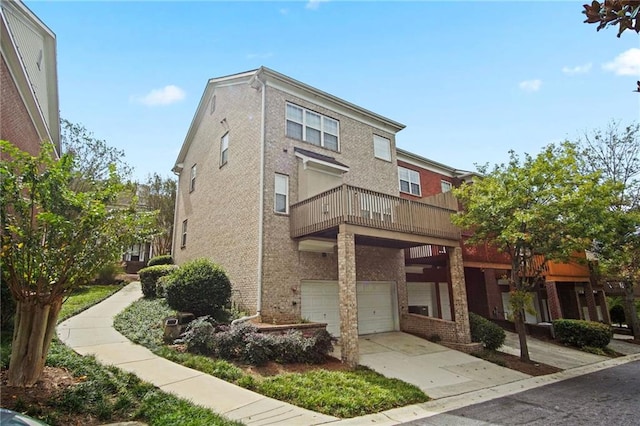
437 370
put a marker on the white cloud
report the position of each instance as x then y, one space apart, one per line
314 4
167 95
626 63
259 55
530 85
578 69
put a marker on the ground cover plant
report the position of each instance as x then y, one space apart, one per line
77 390
326 388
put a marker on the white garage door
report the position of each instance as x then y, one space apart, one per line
376 307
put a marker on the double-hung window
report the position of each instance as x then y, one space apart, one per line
409 181
381 148
281 202
312 127
224 149
445 186
192 181
183 239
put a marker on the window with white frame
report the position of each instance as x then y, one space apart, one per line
445 186
381 148
312 127
192 181
281 203
183 239
409 181
224 149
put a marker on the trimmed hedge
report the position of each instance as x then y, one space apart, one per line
149 278
165 259
581 333
200 287
488 333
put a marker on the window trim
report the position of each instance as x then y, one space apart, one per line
183 236
286 194
444 183
387 148
192 178
419 194
224 140
323 129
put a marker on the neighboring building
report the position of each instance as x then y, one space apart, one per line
28 79
136 257
567 291
295 193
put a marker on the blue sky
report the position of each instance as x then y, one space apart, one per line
470 80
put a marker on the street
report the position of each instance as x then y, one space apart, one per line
610 396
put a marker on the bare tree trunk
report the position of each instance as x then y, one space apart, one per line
35 324
630 312
521 329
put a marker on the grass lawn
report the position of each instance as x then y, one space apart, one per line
78 390
337 393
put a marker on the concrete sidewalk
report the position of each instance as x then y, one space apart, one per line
92 333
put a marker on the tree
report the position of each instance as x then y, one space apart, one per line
535 210
615 153
621 13
159 194
54 238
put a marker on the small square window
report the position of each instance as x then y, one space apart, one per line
224 149
445 186
192 182
382 148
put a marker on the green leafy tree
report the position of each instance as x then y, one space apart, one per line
615 153
620 13
159 194
54 238
535 209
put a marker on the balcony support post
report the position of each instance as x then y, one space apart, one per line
459 295
348 299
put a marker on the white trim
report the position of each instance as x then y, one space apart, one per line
285 193
307 159
306 126
409 181
377 146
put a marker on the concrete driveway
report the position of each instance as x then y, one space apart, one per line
437 370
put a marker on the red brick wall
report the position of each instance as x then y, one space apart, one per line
429 181
15 123
476 294
428 326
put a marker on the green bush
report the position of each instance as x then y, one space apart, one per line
482 330
164 259
107 274
581 333
200 287
149 278
617 314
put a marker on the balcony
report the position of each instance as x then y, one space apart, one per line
322 214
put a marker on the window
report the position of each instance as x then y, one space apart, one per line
192 182
312 127
224 149
445 186
382 148
183 239
409 181
281 194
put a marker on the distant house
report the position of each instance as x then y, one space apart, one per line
29 112
295 193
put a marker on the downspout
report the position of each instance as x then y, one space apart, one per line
176 172
261 208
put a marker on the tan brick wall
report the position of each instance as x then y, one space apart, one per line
222 211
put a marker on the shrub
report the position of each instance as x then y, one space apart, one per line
200 287
108 273
482 330
617 314
199 335
581 333
165 259
149 278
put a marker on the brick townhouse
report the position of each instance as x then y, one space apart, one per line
295 192
28 79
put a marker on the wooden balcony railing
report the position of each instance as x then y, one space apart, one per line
351 205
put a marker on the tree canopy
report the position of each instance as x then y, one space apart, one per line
159 194
620 13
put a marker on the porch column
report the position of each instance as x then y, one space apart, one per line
494 296
459 295
348 299
553 300
602 301
591 301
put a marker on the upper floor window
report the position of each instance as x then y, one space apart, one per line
312 127
183 238
382 148
224 149
192 181
445 186
409 181
281 203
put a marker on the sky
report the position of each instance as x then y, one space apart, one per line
470 80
